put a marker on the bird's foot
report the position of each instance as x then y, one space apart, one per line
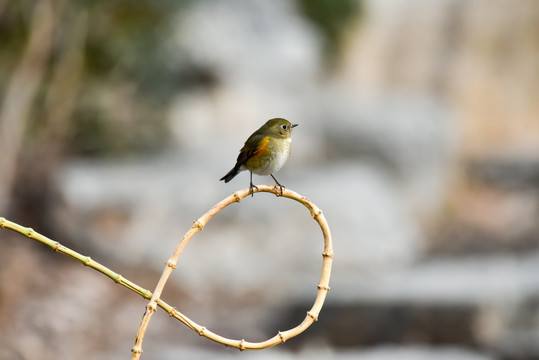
277 184
280 187
251 187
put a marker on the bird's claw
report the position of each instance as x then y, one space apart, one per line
251 187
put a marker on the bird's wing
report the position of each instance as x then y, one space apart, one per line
256 145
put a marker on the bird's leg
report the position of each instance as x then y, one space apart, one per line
251 186
279 185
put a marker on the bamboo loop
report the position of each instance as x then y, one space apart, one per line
170 265
312 314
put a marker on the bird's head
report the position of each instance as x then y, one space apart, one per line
279 127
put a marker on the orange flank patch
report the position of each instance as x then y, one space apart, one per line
262 149
259 158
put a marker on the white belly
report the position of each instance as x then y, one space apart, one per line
278 161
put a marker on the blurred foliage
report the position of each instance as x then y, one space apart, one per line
130 77
13 34
128 74
332 19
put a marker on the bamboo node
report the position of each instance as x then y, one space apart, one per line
197 224
201 331
237 197
328 254
151 307
281 336
2 220
315 213
30 232
56 247
170 264
312 316
323 287
172 312
242 345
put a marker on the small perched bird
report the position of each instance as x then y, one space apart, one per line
265 151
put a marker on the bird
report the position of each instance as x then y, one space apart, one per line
265 152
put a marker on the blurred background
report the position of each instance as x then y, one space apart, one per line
418 138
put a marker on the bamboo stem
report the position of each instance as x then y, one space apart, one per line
85 260
170 265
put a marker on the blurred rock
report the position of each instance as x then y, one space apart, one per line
477 56
265 58
494 208
411 137
488 302
511 171
377 353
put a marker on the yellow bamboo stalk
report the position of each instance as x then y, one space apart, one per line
280 337
86 260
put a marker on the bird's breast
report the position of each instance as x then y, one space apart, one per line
273 160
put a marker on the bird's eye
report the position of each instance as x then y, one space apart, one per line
284 126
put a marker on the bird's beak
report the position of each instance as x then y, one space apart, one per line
294 125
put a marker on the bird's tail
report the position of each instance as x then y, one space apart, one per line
230 175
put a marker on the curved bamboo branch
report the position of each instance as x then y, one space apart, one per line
312 314
155 301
